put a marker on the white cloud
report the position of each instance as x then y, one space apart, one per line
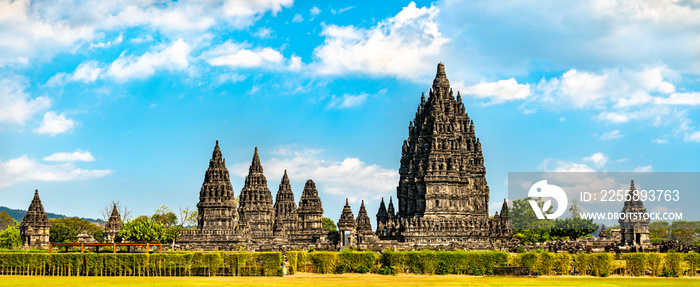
263 33
690 99
77 155
298 18
660 141
231 78
384 49
108 44
238 56
647 168
350 177
314 12
620 88
54 124
341 10
87 71
500 91
25 168
42 29
564 166
611 135
347 101
247 58
693 136
295 63
173 57
598 159
16 106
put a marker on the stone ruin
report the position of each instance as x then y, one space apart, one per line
112 226
35 226
442 197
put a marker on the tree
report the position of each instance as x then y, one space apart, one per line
6 220
123 211
529 229
328 224
685 231
144 230
167 218
188 218
659 231
10 237
573 228
67 229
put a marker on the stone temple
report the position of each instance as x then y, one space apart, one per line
442 197
35 226
634 230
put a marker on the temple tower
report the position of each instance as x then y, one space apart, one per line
256 208
364 226
346 225
634 230
286 218
216 207
382 214
442 174
35 226
113 225
310 209
390 209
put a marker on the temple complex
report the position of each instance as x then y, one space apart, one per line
35 226
442 196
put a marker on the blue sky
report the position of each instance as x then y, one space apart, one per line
103 100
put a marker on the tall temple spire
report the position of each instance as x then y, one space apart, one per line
35 226
286 218
390 209
255 165
310 209
441 84
382 214
442 150
363 223
347 220
256 208
634 230
113 225
216 208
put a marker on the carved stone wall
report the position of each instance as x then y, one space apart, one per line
35 226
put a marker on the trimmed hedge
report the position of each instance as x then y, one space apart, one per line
142 264
442 262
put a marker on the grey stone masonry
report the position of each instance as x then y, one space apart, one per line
256 207
216 207
35 226
286 218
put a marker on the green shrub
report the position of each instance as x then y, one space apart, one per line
141 264
673 265
562 263
654 261
443 262
636 263
692 259
356 262
324 262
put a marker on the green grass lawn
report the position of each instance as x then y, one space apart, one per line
354 280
